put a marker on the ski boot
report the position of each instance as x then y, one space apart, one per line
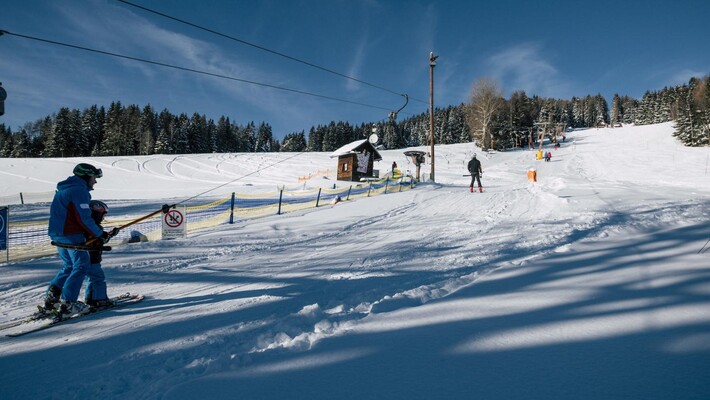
68 309
50 300
96 305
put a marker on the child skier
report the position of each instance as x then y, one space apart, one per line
95 295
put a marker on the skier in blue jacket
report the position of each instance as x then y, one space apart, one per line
70 222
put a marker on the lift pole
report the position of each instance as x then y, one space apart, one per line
432 64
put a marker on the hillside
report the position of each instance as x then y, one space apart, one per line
592 283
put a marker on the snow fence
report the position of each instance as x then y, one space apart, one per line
28 238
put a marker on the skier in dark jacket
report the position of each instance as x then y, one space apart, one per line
70 223
476 170
95 295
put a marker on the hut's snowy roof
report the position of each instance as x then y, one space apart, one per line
356 147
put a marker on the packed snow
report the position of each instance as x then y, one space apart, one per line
591 283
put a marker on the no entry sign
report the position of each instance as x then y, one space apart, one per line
174 224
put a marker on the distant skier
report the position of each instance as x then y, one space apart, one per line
70 222
476 170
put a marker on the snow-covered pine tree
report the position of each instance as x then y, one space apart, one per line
6 141
264 138
163 145
248 138
617 111
61 139
197 138
180 134
92 128
114 140
294 142
22 145
225 141
148 131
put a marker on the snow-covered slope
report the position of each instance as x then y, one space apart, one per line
592 283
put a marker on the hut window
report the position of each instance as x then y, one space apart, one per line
345 167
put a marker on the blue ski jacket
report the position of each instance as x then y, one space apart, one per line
70 216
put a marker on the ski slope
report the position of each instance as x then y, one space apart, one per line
593 283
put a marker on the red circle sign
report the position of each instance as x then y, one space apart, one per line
173 218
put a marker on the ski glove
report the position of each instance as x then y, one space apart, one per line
114 232
165 208
105 237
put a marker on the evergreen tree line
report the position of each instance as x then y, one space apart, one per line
688 105
518 120
130 130
127 131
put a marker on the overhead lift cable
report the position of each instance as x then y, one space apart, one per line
266 49
191 70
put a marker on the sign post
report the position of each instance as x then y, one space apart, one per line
175 224
4 228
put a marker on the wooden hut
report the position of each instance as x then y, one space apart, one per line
356 160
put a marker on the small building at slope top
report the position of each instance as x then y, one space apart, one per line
356 160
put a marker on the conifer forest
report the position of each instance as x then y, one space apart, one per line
127 130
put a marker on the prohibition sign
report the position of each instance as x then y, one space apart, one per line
173 218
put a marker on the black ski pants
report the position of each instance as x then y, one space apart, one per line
473 180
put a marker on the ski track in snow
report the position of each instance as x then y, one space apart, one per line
309 322
284 283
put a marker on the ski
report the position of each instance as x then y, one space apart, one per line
119 301
72 246
38 315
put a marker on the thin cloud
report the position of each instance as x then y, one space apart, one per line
524 67
120 30
356 65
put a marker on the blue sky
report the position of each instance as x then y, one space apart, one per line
550 48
